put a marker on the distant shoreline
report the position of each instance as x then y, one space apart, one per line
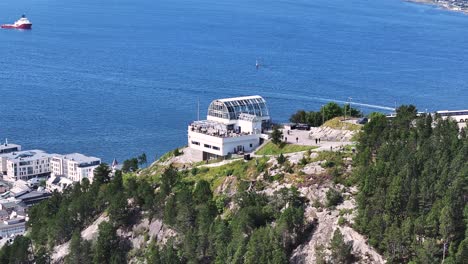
444 4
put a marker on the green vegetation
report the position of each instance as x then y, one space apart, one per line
413 174
341 250
191 209
336 123
130 165
412 177
276 136
64 216
334 197
273 149
327 112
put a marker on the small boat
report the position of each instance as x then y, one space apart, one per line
22 23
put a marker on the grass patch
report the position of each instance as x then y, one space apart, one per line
273 149
239 168
336 123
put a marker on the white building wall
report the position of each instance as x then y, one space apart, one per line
25 170
222 146
3 164
63 165
247 142
200 141
57 165
77 173
249 127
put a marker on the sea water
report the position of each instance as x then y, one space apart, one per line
115 78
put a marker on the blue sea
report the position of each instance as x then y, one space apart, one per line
115 78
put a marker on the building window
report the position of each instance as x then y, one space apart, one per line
196 143
215 148
207 146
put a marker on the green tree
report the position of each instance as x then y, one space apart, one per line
79 250
101 174
276 136
106 244
331 110
334 197
119 211
264 247
202 192
130 165
281 159
341 251
142 160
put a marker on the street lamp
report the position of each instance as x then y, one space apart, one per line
349 106
323 114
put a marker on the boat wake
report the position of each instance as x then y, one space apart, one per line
321 99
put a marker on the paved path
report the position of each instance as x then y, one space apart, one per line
302 137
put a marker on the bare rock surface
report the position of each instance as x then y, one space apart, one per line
330 134
90 233
326 221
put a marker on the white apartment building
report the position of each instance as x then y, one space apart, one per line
233 125
24 165
74 166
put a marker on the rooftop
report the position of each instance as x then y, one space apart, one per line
26 155
79 158
8 146
214 128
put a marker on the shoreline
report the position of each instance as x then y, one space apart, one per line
445 5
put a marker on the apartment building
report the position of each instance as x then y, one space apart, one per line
74 166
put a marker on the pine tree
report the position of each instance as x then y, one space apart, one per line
341 251
276 135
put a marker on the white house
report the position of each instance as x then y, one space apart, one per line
74 166
233 125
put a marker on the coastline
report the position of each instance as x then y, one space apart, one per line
444 4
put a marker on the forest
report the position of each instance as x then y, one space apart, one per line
412 201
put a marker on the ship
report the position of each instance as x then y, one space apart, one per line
22 23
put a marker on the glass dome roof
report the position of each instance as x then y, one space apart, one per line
232 108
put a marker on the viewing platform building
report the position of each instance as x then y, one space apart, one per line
233 126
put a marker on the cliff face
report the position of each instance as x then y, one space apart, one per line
326 221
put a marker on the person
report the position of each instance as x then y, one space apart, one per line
331 148
297 139
319 140
316 141
286 139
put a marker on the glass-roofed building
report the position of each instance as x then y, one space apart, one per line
233 125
